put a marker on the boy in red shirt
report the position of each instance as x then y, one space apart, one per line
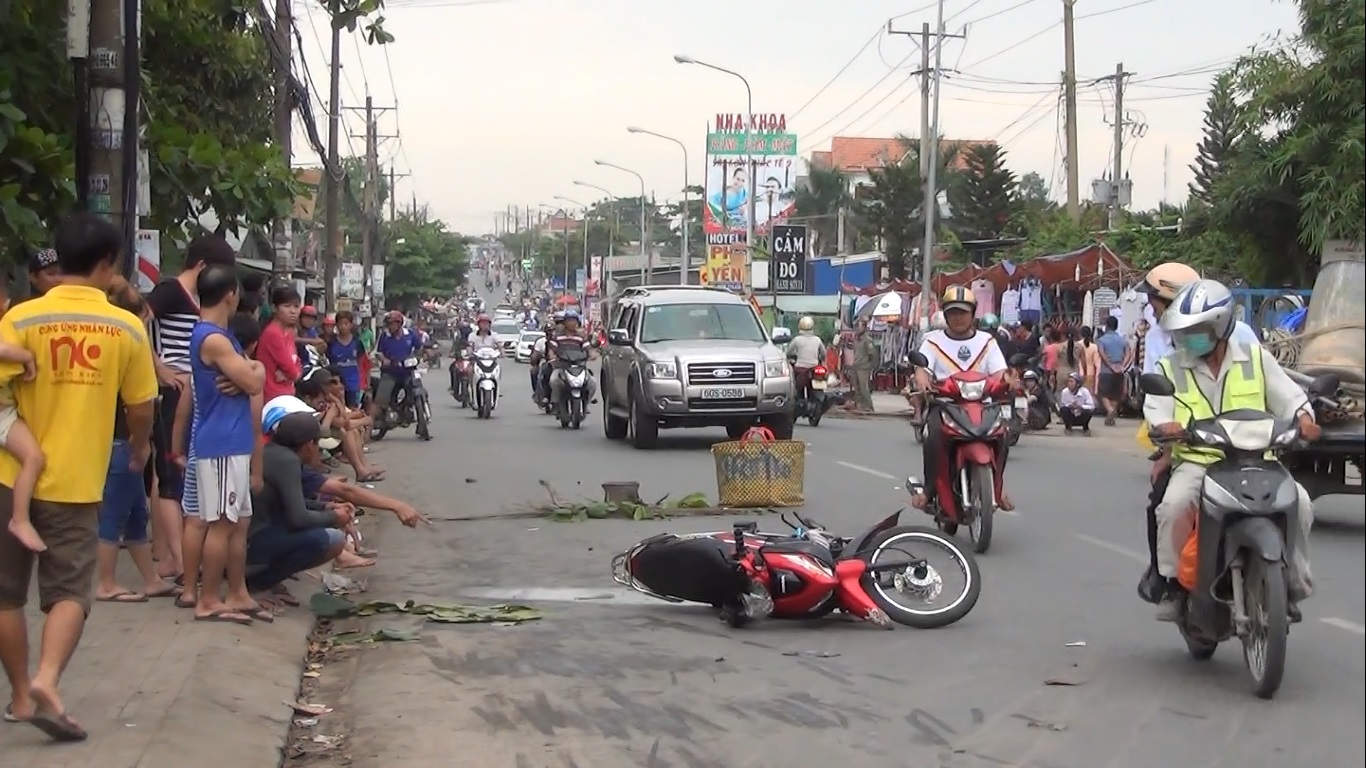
276 350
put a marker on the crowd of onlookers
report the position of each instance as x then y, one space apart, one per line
186 429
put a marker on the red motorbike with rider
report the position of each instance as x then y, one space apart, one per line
968 392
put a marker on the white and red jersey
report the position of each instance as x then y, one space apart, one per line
948 356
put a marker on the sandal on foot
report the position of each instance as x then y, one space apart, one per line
10 717
227 616
58 726
167 591
123 596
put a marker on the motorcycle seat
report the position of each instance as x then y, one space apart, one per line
799 547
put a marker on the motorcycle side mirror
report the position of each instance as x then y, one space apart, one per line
1323 386
1156 384
918 360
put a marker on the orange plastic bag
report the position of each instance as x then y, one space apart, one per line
1186 563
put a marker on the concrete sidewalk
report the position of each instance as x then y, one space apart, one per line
156 690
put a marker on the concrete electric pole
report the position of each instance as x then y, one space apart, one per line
370 241
114 68
1116 171
332 173
929 135
282 238
1069 86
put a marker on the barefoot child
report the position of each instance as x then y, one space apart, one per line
22 445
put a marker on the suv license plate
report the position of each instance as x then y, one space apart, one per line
722 393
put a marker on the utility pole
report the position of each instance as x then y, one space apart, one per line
1117 169
282 238
1069 87
108 189
929 136
370 244
332 174
393 198
371 190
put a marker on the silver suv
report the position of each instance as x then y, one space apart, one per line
691 356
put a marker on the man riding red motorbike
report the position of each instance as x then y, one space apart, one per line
807 352
959 348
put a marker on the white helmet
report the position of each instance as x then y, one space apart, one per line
1204 306
806 324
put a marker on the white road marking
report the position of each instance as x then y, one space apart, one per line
867 470
1115 548
1350 626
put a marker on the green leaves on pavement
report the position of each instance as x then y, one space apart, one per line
627 510
326 606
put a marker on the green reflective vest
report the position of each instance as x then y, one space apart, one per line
1243 387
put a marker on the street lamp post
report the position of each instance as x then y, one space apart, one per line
584 224
616 218
646 267
749 162
685 260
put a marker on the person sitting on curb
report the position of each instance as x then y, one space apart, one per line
290 534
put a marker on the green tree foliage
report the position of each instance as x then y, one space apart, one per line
1033 190
891 204
1311 99
818 204
208 96
1224 128
423 259
983 196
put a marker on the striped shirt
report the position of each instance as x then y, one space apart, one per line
174 314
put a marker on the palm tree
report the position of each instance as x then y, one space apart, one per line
818 203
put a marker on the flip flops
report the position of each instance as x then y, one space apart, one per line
228 616
58 727
10 717
123 596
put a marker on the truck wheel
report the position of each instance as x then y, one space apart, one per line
613 427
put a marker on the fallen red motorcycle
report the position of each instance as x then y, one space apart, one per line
878 576
973 411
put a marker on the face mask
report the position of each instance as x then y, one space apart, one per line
1198 344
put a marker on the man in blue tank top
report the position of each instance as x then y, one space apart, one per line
224 437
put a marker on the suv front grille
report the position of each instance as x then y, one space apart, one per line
721 374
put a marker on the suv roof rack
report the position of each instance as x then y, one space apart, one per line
642 290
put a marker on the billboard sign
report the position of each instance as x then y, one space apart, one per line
787 262
774 152
725 267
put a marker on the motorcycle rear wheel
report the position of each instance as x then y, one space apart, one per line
894 541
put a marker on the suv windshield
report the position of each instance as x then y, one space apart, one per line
675 322
506 329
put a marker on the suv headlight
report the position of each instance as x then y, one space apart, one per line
665 370
776 369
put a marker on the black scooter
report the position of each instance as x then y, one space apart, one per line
1247 526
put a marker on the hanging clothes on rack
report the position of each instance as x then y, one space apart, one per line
985 293
1031 300
1010 306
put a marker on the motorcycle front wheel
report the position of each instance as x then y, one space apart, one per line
1268 633
424 418
981 505
904 595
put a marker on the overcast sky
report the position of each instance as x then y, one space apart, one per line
507 102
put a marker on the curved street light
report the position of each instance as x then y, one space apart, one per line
685 256
646 269
749 161
616 218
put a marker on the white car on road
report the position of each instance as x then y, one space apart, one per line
525 343
509 331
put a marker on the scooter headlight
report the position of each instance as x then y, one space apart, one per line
972 390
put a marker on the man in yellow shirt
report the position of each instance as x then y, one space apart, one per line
89 355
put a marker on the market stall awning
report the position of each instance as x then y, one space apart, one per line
1088 268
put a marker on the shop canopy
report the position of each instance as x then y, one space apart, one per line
1088 268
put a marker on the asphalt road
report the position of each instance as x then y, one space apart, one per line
608 681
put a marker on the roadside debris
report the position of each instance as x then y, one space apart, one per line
326 606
